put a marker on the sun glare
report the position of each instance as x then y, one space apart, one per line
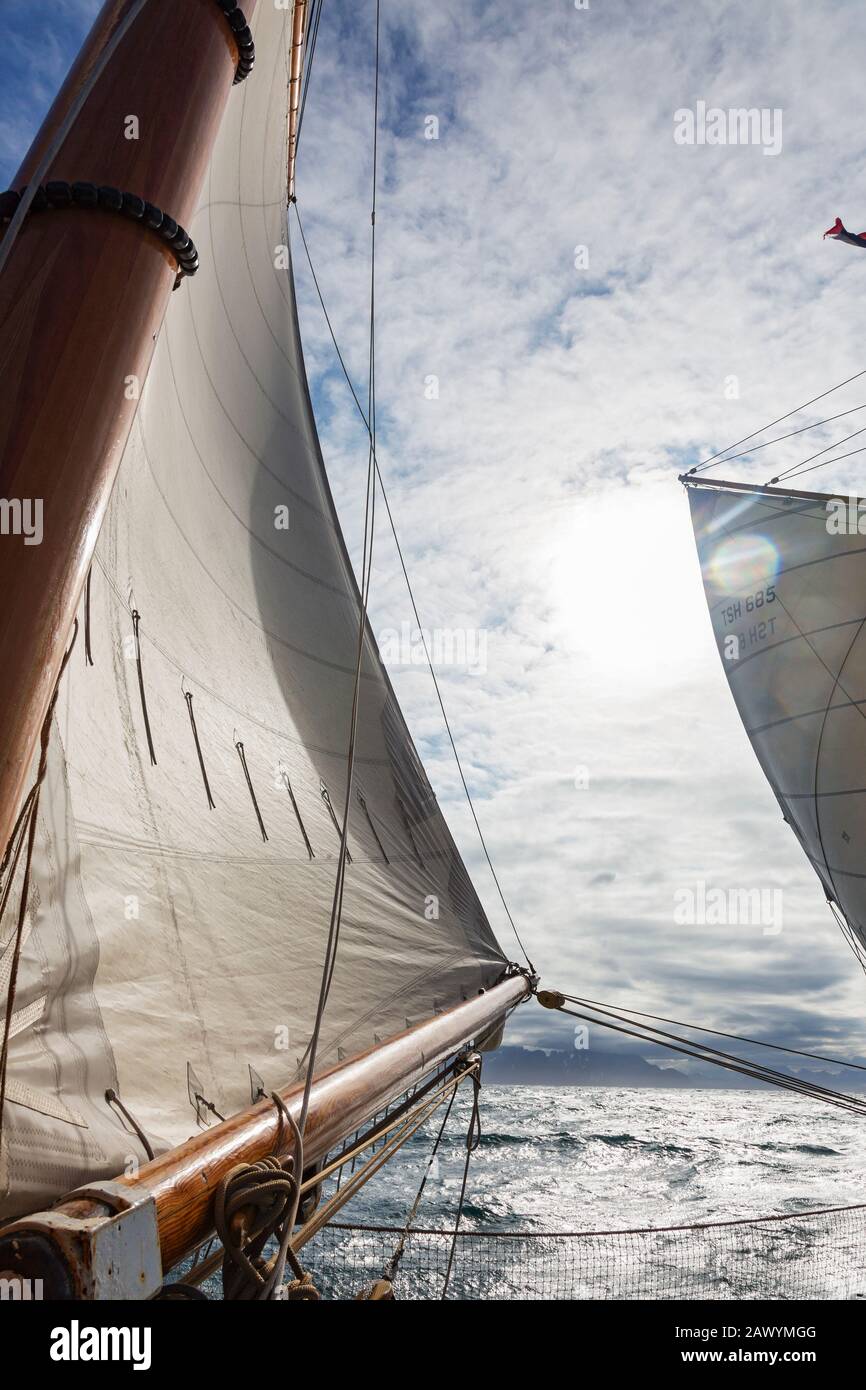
741 564
624 584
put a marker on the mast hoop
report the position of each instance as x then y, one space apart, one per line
57 195
243 37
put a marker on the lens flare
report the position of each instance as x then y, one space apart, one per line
743 563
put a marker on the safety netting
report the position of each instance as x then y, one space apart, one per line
809 1255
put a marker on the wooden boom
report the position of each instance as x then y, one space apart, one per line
182 1183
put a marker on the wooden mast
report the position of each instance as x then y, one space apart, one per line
82 298
181 1184
296 68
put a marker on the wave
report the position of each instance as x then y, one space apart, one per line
649 1146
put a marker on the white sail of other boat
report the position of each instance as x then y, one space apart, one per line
786 590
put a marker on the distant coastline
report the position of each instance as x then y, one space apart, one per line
526 1066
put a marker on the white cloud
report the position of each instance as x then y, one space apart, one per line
537 496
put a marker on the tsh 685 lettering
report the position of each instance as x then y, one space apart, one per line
733 612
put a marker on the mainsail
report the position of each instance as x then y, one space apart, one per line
785 577
189 821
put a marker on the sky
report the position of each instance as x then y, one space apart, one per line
571 307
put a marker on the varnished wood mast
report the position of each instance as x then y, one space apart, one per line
82 299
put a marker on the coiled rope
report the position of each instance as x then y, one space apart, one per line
254 1203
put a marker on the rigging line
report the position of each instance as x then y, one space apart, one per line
371 498
756 1069
55 145
620 1231
366 576
313 34
854 942
716 1033
796 466
705 463
796 470
113 1099
473 1139
804 429
390 1271
436 1088
411 593
741 1066
363 1175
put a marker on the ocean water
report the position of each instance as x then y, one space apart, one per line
554 1161
562 1158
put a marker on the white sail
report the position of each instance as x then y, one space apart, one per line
169 945
785 579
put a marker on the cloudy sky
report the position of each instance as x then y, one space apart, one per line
536 402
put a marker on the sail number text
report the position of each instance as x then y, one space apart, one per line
733 612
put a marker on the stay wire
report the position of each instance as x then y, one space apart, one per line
799 467
792 434
705 463
823 464
756 1069
313 34
715 1032
725 1060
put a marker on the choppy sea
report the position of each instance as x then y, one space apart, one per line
553 1161
557 1158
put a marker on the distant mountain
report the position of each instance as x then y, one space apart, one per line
524 1066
